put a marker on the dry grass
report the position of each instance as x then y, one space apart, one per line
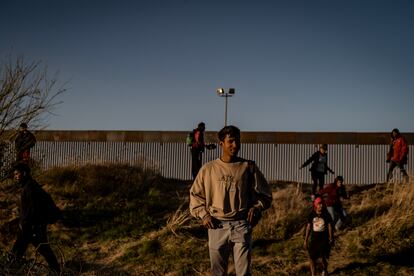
179 220
389 233
380 239
122 220
286 215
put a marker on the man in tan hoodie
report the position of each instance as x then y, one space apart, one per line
228 195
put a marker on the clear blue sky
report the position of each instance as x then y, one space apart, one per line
155 65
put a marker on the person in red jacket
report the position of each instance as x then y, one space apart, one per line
398 154
197 149
332 194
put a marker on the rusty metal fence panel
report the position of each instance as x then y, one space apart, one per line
167 153
359 164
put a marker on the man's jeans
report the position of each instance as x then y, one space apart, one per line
338 215
400 165
36 235
231 235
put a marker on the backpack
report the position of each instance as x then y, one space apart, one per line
190 139
251 181
50 212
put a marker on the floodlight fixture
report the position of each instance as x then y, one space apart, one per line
222 93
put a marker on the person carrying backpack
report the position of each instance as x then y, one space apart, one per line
37 210
197 144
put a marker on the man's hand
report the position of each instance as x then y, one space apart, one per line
209 222
253 216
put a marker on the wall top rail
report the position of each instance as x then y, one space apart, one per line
358 138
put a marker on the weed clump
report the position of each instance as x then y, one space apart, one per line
389 234
120 180
286 216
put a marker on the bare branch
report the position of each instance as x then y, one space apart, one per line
26 93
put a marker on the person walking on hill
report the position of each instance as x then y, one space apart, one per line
34 217
319 236
318 168
24 141
332 194
228 196
197 148
196 141
398 154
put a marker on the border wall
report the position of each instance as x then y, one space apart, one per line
359 157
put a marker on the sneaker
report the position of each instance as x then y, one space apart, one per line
325 273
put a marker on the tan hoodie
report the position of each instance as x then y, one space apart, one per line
222 190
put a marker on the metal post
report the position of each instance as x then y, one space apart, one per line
222 93
225 111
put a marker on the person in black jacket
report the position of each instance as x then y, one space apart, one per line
24 141
33 219
318 168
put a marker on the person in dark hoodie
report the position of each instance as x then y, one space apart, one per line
318 168
34 216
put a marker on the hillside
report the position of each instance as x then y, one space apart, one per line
123 220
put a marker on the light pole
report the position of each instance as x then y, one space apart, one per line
225 94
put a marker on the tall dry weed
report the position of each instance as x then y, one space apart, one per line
286 216
180 219
389 233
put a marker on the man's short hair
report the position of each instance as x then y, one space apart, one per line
231 131
339 178
22 167
323 146
23 125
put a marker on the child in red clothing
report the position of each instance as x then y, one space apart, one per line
319 235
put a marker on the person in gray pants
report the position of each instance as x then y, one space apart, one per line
228 196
